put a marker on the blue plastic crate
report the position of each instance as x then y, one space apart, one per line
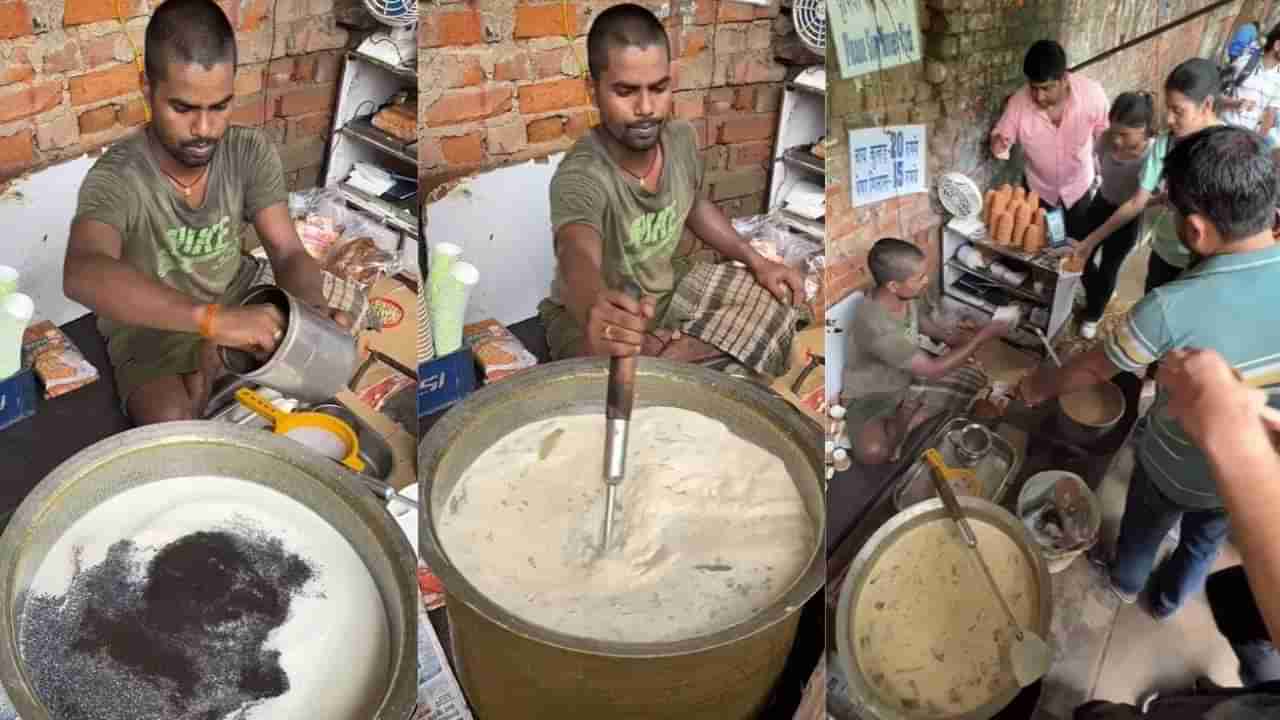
445 380
17 398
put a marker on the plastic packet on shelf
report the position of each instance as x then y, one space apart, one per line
318 233
56 359
770 237
361 260
499 352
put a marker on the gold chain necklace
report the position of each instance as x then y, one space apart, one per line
653 163
185 187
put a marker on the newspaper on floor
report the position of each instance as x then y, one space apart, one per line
439 695
407 518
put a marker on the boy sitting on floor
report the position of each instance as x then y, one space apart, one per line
890 385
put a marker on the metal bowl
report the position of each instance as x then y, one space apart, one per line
862 692
511 668
1083 433
169 450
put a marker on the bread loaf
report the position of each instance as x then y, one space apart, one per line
1021 221
1033 199
987 201
1019 196
360 260
399 121
1004 229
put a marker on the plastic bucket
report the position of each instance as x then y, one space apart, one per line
1040 488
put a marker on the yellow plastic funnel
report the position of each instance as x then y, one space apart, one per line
313 429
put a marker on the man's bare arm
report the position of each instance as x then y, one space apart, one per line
1080 372
709 223
926 366
94 276
580 254
1222 415
295 269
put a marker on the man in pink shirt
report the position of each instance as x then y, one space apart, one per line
1056 118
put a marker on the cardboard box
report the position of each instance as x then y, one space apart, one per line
17 397
380 381
397 304
810 397
445 380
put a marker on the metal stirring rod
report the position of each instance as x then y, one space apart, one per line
621 395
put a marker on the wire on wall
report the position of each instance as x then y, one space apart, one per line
137 59
266 71
569 35
876 6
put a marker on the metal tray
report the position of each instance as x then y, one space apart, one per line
995 471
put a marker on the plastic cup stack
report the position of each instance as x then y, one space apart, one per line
16 310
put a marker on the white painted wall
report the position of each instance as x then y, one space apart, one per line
512 205
838 317
35 220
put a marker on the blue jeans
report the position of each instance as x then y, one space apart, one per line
1148 517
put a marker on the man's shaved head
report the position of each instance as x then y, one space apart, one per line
893 260
188 32
622 26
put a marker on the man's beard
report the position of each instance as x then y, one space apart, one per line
189 157
639 137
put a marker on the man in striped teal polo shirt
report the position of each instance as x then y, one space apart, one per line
1223 187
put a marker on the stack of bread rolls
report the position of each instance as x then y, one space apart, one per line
1014 218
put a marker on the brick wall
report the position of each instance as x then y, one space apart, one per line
500 81
973 62
68 83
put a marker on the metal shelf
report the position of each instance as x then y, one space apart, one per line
400 215
813 228
798 157
1016 291
1021 337
408 73
800 87
361 129
1046 259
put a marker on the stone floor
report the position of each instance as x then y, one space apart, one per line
1105 650
1118 652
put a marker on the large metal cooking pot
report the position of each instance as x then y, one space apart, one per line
512 669
864 695
171 450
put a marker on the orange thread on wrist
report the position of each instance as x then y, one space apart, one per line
206 320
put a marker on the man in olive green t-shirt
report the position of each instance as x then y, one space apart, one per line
155 243
621 200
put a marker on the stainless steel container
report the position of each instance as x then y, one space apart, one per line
314 360
1083 433
972 443
159 452
512 669
866 698
994 471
